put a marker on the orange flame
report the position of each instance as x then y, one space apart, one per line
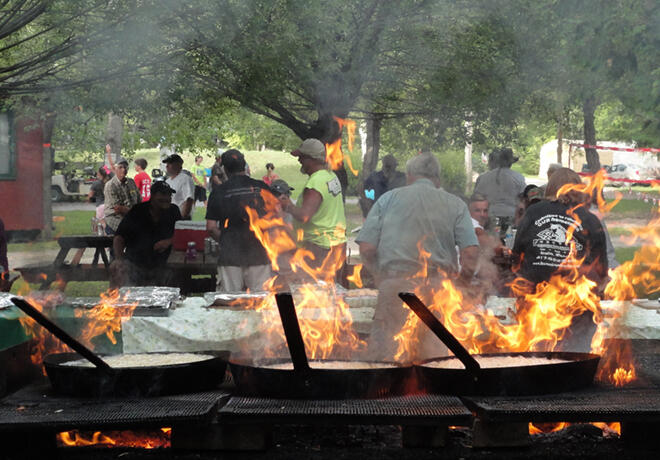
102 319
543 312
540 428
155 439
355 277
334 153
324 317
608 429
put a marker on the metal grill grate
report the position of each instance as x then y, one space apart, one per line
597 405
30 409
419 409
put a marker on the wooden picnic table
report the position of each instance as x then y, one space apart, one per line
74 270
196 275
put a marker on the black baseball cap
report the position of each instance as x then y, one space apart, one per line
280 187
160 186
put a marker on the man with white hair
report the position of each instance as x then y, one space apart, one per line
420 216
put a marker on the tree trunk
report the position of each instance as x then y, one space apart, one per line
370 161
113 134
468 156
560 140
47 170
588 110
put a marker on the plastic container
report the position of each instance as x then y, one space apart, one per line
187 230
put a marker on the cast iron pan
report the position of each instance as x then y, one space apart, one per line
103 380
577 370
305 381
135 381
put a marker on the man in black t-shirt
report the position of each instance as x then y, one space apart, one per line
243 262
143 240
541 242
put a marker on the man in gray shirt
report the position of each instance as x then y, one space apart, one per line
501 186
402 223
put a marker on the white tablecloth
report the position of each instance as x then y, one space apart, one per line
193 327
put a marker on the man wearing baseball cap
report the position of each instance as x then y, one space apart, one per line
143 240
121 195
321 212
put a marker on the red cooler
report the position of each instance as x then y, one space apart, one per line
189 230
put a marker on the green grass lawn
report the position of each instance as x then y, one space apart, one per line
286 166
632 208
619 231
625 254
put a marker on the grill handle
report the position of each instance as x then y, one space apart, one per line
58 332
291 327
441 331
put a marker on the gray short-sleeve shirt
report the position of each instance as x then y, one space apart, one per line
419 213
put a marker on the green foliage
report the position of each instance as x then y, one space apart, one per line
452 172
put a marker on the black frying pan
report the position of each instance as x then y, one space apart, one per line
103 380
305 381
576 371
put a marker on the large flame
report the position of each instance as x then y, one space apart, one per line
545 312
101 319
334 153
324 317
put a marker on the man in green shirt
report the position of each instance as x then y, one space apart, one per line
321 213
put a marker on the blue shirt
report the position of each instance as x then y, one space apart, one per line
418 213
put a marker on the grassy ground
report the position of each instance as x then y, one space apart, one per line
286 166
632 208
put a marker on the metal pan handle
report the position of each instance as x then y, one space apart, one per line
61 334
441 331
292 332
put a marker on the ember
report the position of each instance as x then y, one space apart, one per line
155 439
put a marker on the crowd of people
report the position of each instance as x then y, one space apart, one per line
141 215
415 233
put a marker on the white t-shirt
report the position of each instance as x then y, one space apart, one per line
184 186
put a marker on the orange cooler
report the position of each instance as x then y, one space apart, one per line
188 230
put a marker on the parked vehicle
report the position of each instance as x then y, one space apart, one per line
629 171
72 181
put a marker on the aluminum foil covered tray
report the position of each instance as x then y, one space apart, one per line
148 300
234 299
4 300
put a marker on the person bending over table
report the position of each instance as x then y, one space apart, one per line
143 241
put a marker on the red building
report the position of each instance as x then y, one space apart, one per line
21 174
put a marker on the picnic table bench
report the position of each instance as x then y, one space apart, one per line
196 275
74 270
